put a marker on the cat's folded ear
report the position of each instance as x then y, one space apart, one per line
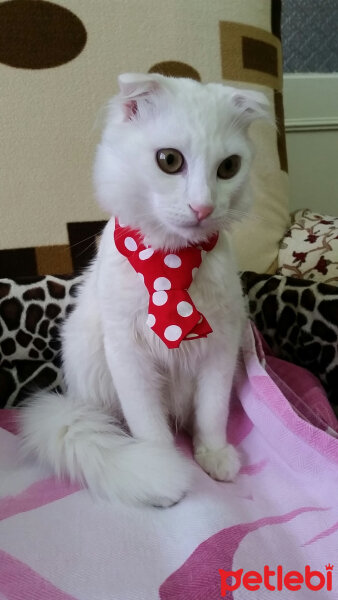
135 88
251 105
133 85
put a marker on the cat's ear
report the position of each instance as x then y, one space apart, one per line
133 85
135 88
251 105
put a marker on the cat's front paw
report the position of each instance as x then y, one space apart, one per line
169 476
222 464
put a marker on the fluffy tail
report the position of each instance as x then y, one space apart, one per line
86 445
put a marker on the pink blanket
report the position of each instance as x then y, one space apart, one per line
275 529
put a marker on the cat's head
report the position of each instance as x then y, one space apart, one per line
175 157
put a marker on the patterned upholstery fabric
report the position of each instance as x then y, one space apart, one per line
58 69
299 320
31 312
309 249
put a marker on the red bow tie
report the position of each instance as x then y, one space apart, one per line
167 276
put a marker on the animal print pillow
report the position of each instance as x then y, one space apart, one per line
298 318
31 311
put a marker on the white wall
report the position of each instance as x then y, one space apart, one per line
311 118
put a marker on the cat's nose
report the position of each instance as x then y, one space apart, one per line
202 211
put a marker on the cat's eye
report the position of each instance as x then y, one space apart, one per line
229 167
170 160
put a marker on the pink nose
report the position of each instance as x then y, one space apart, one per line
202 212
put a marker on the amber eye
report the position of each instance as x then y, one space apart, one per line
170 160
229 167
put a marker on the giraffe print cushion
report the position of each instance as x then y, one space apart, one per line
31 311
298 318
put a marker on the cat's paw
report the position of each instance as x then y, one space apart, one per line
222 464
166 501
171 480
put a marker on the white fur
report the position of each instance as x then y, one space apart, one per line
111 429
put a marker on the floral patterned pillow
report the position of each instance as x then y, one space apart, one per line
309 249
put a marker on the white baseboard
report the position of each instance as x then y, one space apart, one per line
311 102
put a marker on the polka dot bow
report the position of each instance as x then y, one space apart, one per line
167 276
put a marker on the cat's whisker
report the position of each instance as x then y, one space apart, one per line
90 237
251 217
87 247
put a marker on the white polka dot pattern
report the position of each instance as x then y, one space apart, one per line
160 298
145 254
151 320
184 309
172 333
162 283
130 243
172 261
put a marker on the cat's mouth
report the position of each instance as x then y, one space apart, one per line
199 230
195 230
206 224
192 229
193 224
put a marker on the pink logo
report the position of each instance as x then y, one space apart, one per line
276 580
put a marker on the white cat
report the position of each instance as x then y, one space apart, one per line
173 164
